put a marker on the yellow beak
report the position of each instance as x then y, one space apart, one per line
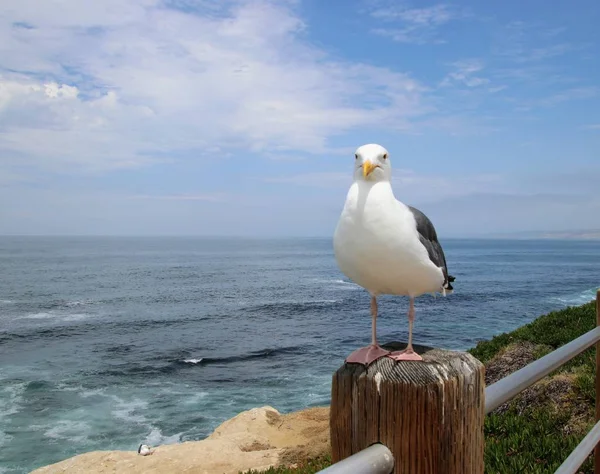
368 167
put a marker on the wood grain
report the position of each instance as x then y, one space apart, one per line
430 414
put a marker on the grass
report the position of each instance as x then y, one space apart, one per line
532 435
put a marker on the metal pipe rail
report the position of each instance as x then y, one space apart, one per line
581 452
376 459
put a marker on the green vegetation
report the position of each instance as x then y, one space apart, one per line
538 429
535 432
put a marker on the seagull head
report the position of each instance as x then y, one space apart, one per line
372 163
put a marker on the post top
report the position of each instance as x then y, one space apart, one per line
437 366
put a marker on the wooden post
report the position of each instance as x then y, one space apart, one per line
430 413
597 448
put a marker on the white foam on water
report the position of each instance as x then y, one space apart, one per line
193 361
4 438
195 398
75 317
578 298
15 397
42 315
156 438
81 391
72 304
75 431
6 302
97 392
339 284
125 410
64 317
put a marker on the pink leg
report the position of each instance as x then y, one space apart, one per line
408 353
369 354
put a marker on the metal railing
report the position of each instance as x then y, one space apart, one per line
378 459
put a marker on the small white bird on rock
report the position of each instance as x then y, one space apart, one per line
386 246
145 450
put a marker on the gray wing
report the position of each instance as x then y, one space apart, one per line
428 237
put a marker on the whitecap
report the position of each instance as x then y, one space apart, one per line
195 398
193 361
71 304
338 284
6 302
42 315
125 410
75 317
69 430
577 299
15 397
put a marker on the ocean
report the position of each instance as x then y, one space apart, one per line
106 343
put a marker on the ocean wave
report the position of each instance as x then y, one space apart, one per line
4 439
14 393
577 299
339 284
260 354
128 410
6 301
167 366
291 307
58 317
41 315
74 431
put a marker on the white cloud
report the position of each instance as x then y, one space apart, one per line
464 73
105 85
430 16
417 25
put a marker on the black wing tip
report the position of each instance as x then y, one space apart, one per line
451 278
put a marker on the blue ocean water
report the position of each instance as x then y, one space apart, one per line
109 342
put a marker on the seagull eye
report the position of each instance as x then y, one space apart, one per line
385 156
356 156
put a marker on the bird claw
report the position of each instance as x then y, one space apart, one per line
406 354
367 355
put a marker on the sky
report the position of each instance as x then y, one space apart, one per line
219 117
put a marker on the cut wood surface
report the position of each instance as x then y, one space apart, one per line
429 413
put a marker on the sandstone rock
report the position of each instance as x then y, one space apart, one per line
254 439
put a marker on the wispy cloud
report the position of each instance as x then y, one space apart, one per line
593 126
123 85
575 93
464 73
415 25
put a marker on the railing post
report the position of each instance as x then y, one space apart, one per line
429 413
597 448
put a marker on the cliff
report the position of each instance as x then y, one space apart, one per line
254 439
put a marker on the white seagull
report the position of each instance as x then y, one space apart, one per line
386 247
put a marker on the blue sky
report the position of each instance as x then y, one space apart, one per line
207 117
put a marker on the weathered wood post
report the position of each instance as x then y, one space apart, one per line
430 413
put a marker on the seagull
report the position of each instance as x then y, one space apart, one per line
386 247
145 450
